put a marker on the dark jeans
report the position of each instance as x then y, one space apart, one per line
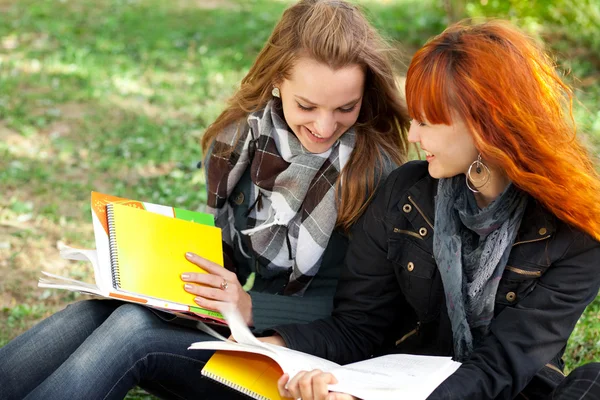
100 349
582 383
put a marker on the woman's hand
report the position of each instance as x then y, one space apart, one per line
216 288
310 386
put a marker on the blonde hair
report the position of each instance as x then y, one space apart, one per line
337 34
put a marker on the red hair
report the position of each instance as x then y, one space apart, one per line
506 89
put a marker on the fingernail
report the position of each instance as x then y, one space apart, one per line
189 255
185 276
197 300
187 286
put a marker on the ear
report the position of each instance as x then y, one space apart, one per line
278 79
276 83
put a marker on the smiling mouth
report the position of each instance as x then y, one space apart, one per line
314 134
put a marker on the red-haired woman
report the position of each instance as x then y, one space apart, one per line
489 250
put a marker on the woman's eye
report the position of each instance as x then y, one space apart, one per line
305 108
347 110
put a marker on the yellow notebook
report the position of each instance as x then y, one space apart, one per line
253 374
147 252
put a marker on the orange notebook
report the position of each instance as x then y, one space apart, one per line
147 252
252 374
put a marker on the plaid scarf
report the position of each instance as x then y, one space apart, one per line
293 210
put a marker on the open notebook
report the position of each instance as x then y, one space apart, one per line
252 374
253 367
139 255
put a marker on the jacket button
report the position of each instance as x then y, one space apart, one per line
511 296
239 198
543 231
410 266
423 231
407 208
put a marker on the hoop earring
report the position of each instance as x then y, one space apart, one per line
275 92
483 175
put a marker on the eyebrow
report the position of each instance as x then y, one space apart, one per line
350 103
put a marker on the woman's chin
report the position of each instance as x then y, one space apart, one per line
439 173
315 148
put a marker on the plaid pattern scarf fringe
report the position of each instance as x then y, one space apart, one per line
293 210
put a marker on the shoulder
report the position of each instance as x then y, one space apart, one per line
412 176
573 243
565 240
407 175
227 137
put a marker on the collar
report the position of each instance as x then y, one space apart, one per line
538 223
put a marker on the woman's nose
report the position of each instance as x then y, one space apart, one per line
326 126
413 134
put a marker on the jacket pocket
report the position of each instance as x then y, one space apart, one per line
516 283
415 270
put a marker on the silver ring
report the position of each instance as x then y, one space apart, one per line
224 284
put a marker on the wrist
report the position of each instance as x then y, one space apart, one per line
249 314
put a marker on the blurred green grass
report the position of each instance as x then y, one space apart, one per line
113 95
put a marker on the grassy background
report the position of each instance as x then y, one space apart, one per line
113 95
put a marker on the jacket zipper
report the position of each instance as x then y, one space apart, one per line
555 368
531 241
409 334
411 233
420 212
524 272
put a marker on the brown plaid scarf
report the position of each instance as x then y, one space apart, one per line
293 193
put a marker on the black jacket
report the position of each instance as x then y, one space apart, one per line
390 295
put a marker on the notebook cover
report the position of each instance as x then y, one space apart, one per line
252 374
150 251
99 201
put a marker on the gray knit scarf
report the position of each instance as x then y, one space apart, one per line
471 247
293 196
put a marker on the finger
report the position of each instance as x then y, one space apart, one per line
207 292
206 265
206 279
306 385
281 386
292 385
214 305
340 396
320 384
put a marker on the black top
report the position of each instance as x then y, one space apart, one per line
390 296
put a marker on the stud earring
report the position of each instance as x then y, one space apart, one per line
275 92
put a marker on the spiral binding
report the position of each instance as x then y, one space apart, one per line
234 385
112 245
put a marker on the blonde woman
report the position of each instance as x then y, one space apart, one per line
292 162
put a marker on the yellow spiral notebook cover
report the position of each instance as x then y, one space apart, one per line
148 252
252 374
